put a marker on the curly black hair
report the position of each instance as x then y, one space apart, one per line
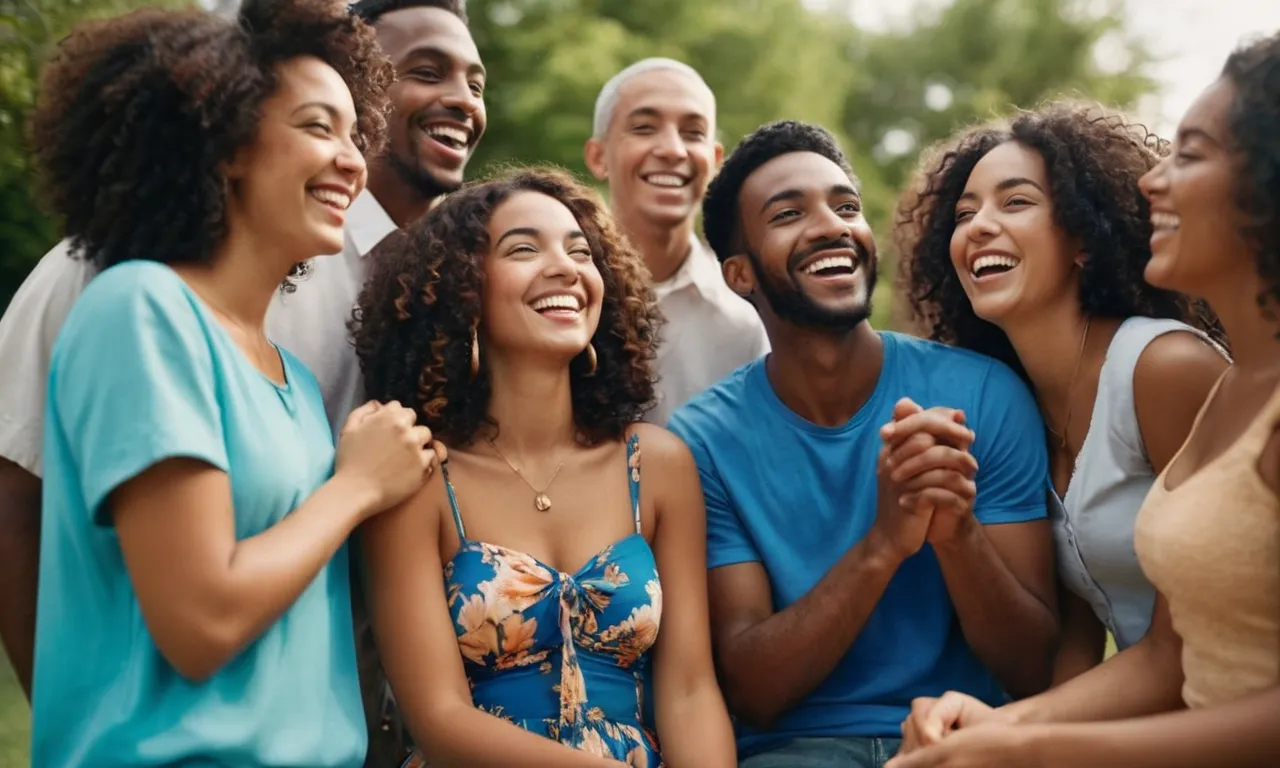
720 206
372 10
138 114
417 313
1254 121
1094 158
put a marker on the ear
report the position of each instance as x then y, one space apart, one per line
719 158
593 155
234 169
739 275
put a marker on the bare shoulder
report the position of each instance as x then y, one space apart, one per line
661 449
1178 361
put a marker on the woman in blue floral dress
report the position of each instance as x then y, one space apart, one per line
516 600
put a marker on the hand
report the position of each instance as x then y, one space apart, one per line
384 451
931 719
991 744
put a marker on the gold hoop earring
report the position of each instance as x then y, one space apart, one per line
475 355
592 362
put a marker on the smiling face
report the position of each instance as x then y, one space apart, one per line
294 183
660 148
1196 241
438 113
543 290
1009 253
807 246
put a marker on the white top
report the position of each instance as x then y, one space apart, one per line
710 332
310 323
1093 526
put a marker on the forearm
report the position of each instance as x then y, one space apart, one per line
1083 643
1144 679
1241 734
1010 630
694 729
470 738
801 645
19 566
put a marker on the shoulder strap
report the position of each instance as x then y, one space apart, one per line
633 476
453 503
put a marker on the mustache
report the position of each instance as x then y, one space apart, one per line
449 113
841 244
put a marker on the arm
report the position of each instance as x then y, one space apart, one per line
693 725
419 649
1084 639
19 566
1171 381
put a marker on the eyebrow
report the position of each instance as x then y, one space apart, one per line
436 52
796 194
1016 181
329 108
1196 133
656 113
573 234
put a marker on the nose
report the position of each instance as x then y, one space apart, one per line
561 265
1154 182
349 160
982 225
459 95
670 144
830 226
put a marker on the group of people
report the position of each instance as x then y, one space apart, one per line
316 455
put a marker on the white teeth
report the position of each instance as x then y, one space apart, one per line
982 262
1161 220
664 180
331 197
829 262
451 135
560 301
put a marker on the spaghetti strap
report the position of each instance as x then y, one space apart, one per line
633 476
453 504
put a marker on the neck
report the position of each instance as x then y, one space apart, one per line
823 377
1255 351
403 203
531 402
241 278
663 248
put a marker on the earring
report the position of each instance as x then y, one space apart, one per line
592 362
475 355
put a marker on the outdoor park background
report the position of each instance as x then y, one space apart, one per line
889 77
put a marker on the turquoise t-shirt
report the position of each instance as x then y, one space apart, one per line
142 372
795 497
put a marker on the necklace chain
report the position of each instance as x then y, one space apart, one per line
1071 387
541 501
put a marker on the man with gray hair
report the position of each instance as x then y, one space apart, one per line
654 142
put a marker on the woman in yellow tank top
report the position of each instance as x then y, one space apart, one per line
1203 687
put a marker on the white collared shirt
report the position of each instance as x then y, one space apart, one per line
710 331
310 323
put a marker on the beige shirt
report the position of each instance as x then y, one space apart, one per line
710 332
1212 548
310 323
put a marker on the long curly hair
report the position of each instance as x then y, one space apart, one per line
416 315
1254 121
138 114
1094 159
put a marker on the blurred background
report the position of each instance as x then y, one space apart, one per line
889 77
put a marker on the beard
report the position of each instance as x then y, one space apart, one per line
791 304
417 175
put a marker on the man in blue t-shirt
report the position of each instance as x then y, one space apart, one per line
875 503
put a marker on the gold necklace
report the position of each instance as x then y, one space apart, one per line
541 501
1071 387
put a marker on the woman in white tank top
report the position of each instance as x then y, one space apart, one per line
1027 241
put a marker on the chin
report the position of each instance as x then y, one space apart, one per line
666 215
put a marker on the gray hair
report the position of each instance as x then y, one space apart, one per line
607 101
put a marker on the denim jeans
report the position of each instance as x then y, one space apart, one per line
826 752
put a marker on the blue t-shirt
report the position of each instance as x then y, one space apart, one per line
142 372
795 497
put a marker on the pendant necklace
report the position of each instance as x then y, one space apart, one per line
541 501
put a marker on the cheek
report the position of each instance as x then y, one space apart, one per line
958 248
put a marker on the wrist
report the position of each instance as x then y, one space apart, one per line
967 535
879 552
356 494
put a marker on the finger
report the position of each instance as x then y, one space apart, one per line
358 414
400 415
934 457
942 717
911 446
930 500
420 435
904 408
441 450
956 488
937 422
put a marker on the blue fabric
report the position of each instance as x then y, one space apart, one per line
141 373
795 497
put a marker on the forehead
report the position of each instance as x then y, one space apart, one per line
668 92
1208 112
308 79
805 172
532 210
410 32
1007 161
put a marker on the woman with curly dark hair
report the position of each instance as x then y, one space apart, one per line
1027 241
516 598
1203 687
194 603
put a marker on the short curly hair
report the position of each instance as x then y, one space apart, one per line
720 206
1254 121
138 114
372 10
415 318
1094 159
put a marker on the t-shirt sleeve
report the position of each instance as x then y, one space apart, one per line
133 381
27 333
1009 444
728 542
